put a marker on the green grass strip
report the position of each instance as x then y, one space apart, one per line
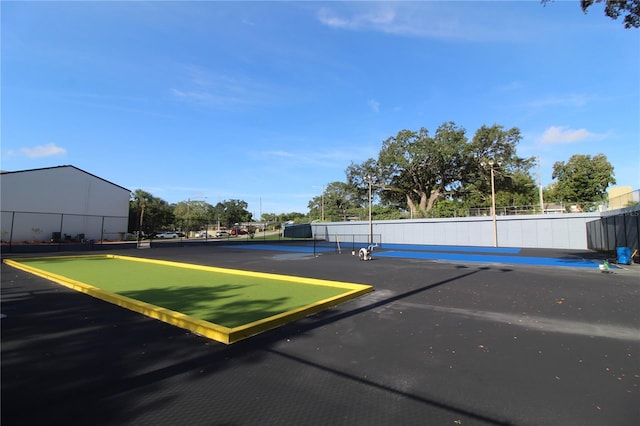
231 298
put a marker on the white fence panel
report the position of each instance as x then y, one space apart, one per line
567 231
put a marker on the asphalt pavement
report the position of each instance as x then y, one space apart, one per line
437 343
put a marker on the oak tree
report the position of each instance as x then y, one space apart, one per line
630 9
582 179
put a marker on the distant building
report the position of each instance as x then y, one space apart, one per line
620 197
62 202
554 208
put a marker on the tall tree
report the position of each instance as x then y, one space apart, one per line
358 178
285 217
157 212
422 168
582 179
235 211
514 185
630 9
414 169
193 214
218 215
338 198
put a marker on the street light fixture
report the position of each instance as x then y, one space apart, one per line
491 163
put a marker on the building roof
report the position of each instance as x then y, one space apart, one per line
64 166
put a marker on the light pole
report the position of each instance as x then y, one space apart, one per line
490 163
218 214
189 217
370 217
206 217
540 187
322 205
322 214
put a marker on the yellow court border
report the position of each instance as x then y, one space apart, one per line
205 328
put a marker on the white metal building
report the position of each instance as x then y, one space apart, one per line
62 202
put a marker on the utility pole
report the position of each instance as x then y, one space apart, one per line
321 203
540 187
490 164
370 216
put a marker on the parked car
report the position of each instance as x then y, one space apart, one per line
167 235
222 234
202 234
238 232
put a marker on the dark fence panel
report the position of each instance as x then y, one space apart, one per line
298 231
611 232
596 235
632 227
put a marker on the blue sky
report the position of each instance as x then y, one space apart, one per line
266 102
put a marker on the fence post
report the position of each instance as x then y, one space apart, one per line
61 234
11 232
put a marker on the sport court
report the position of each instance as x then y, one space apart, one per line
437 342
226 305
484 255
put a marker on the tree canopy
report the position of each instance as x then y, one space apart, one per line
582 178
416 174
414 169
630 9
234 211
148 213
285 217
335 202
183 216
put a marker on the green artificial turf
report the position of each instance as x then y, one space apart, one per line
222 298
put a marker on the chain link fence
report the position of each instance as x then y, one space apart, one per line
19 227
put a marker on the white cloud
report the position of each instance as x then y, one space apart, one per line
572 100
440 20
210 88
563 135
373 18
326 158
510 86
48 150
278 154
199 96
374 105
330 20
384 18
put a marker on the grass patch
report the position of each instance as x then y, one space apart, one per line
226 297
